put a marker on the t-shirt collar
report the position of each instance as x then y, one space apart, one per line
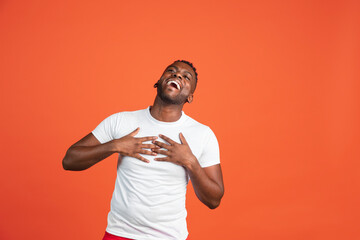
177 122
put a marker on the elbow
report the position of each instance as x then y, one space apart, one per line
213 205
69 165
65 164
215 202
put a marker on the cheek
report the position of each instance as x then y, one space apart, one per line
186 90
167 74
164 76
189 86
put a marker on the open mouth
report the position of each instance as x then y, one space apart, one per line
173 84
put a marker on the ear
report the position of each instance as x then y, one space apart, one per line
157 83
190 98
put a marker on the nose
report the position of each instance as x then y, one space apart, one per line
177 75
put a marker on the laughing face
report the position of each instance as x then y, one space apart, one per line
177 84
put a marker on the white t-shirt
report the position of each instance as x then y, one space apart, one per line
148 202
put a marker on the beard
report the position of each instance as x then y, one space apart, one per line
178 100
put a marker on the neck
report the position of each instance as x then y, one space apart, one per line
165 112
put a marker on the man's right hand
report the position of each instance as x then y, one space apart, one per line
131 146
89 151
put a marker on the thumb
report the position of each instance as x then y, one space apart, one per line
182 139
133 133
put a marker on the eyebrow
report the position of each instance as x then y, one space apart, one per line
177 69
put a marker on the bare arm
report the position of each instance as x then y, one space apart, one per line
86 152
89 151
207 182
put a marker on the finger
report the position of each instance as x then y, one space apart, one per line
154 149
144 139
160 144
163 152
169 140
182 139
148 152
138 156
150 146
133 133
164 159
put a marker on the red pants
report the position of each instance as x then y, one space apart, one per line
109 236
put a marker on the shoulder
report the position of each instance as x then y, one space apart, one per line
199 128
127 114
118 119
191 122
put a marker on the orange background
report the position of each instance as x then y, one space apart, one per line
278 84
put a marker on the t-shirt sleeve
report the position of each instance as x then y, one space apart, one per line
105 131
211 153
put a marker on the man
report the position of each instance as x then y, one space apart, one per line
160 148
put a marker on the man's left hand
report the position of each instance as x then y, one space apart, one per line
177 153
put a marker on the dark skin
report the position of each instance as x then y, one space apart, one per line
207 182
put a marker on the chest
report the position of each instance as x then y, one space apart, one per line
193 136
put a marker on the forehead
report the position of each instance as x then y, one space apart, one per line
183 67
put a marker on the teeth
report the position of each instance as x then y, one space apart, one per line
172 81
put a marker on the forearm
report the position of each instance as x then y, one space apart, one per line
207 190
79 158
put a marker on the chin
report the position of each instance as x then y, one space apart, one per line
171 100
168 99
